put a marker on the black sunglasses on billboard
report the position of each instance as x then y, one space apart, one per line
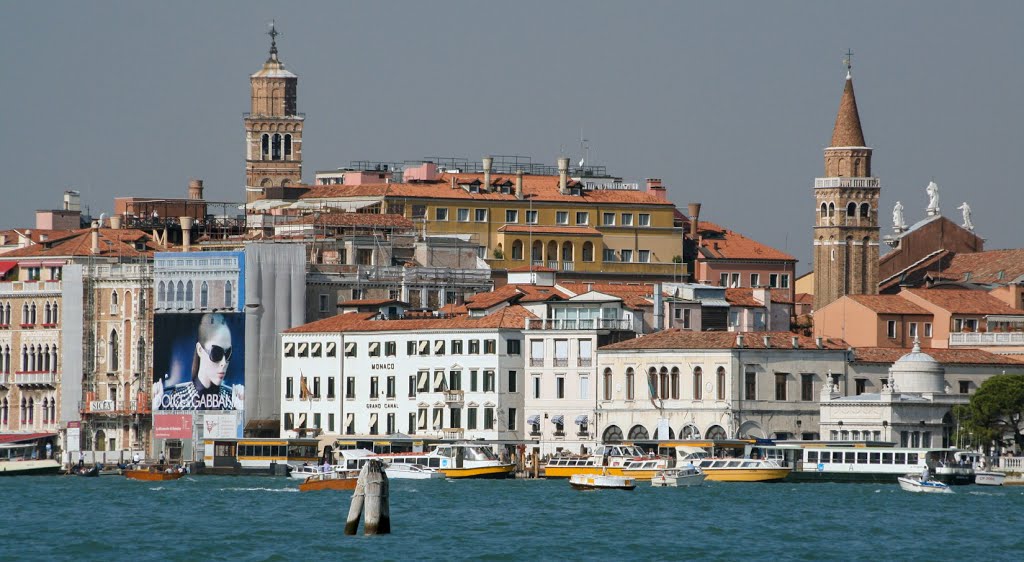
218 353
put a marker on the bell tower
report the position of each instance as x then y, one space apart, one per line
846 210
273 128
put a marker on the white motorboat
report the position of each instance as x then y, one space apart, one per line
409 471
911 483
305 471
601 482
988 478
674 477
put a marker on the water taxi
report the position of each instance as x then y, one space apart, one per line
911 483
676 477
398 466
601 482
305 471
334 480
22 458
617 460
744 470
153 474
450 460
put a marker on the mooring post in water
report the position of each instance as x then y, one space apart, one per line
536 465
355 510
378 512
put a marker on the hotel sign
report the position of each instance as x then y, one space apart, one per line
101 406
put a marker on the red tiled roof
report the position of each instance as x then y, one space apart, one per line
945 356
19 437
569 230
721 243
633 296
113 243
680 339
744 296
986 267
369 302
34 234
356 219
509 317
847 131
964 301
513 293
888 304
804 298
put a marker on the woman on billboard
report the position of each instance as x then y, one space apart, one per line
206 390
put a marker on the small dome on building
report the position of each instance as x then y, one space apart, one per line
918 372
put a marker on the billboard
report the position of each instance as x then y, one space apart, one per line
172 426
199 361
218 426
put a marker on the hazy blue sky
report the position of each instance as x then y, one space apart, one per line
730 103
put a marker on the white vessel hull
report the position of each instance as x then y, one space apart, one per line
984 478
676 478
927 487
29 467
411 472
601 482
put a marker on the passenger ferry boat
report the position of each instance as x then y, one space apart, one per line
452 460
256 454
16 460
820 462
744 470
618 460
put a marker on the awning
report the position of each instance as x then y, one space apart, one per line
533 420
558 420
581 420
6 266
19 437
714 303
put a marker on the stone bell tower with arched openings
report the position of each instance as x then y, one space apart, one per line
273 128
846 212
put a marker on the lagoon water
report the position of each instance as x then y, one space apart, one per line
263 518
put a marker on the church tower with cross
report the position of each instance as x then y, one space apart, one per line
273 128
846 230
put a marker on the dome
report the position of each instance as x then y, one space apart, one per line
918 372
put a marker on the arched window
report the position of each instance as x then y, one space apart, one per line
32 358
689 431
721 383
32 317
113 303
517 249
588 251
824 212
180 296
161 295
567 251
7 314
4 411
46 359
53 359
716 432
53 411
56 316
697 383
831 210
612 434
638 432
24 411
675 383
607 383
664 383
851 210
264 146
287 147
24 314
537 251
275 147
865 210
24 357
227 295
189 293
856 167
630 384
552 253
204 295
5 360
652 382
31 411
46 313
112 352
140 355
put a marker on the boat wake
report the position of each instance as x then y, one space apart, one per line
259 490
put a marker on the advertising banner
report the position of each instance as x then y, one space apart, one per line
73 442
220 426
172 426
199 362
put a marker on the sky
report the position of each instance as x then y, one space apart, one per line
730 103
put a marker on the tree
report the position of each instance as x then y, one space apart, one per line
996 410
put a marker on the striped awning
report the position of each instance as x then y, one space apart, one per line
581 420
533 420
558 420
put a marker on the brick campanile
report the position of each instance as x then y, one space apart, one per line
273 128
846 212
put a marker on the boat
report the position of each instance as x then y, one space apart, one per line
852 462
88 472
617 460
335 480
448 460
16 459
911 483
982 476
744 470
683 476
601 482
305 471
989 478
153 474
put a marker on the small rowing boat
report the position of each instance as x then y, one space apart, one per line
337 480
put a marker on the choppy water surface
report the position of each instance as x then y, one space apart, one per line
254 518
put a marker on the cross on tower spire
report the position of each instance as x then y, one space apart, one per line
848 61
273 33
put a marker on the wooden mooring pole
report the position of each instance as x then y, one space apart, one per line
372 494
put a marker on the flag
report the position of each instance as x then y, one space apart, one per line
304 393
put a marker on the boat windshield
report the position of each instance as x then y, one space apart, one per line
479 454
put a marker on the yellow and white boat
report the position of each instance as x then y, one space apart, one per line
744 470
615 460
453 460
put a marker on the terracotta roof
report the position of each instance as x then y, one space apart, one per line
680 339
370 302
535 187
742 297
721 243
964 301
946 356
804 298
454 309
113 243
509 317
986 267
34 234
847 131
569 230
513 293
633 296
889 304
355 219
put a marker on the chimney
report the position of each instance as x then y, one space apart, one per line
739 340
195 189
796 342
487 172
95 235
115 222
694 210
519 184
819 342
654 186
767 342
659 309
563 175
186 233
453 182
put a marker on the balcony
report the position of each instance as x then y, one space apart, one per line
561 361
552 264
580 324
975 339
41 378
454 396
453 433
821 183
568 266
536 361
584 361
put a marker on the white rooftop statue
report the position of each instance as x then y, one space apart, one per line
967 215
933 198
897 218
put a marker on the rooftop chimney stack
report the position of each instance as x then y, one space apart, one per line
519 184
563 175
819 342
739 340
655 186
694 210
95 236
487 172
195 189
186 233
115 222
796 342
